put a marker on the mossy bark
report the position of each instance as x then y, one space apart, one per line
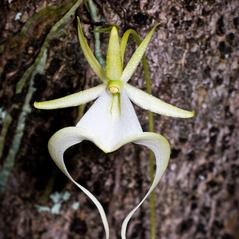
193 63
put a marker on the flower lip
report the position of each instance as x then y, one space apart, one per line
115 86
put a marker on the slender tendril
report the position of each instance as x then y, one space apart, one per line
150 125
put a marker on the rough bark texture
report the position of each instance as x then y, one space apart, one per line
194 64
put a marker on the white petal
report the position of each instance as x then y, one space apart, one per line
161 149
58 143
69 136
153 104
106 125
76 99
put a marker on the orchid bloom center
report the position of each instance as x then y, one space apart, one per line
115 86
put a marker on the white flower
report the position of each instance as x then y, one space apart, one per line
111 121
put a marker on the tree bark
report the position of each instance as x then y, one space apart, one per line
193 60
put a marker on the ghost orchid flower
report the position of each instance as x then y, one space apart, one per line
111 121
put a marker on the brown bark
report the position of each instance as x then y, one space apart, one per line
193 60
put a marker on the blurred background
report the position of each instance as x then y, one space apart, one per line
193 57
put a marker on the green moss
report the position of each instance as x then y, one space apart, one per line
6 123
31 71
28 79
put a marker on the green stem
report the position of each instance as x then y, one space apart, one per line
49 187
151 125
94 13
151 156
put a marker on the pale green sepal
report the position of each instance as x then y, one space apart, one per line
136 57
124 41
76 99
58 143
89 54
161 149
113 58
153 104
